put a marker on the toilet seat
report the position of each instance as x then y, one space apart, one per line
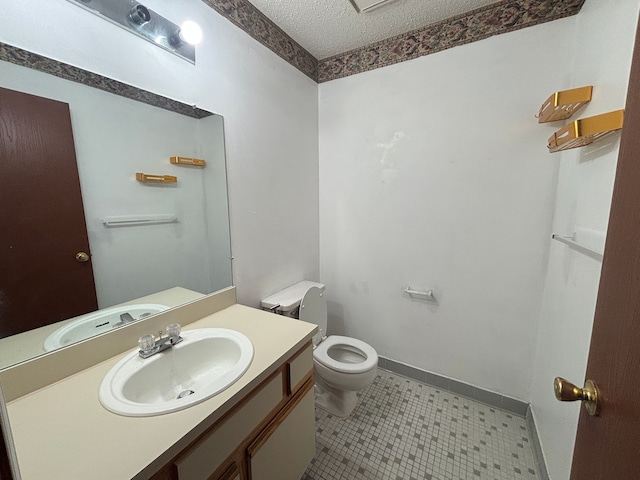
321 354
313 309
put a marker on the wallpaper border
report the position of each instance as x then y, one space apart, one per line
494 19
28 59
255 23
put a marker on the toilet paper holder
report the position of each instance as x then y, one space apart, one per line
427 295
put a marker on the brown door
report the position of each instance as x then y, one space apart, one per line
608 446
42 217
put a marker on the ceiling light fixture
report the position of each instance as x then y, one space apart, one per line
190 32
363 6
139 14
145 23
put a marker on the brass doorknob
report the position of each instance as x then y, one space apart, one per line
82 257
589 395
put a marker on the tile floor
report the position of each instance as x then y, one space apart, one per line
406 430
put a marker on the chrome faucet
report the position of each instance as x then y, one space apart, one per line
124 319
150 345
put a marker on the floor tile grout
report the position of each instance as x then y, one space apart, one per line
406 430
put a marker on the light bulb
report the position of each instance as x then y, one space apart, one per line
190 32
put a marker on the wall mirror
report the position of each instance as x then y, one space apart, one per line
151 245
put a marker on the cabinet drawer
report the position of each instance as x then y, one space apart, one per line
200 461
299 367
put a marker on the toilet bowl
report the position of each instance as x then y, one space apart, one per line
342 365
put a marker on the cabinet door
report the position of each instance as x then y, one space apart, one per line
209 454
288 444
231 473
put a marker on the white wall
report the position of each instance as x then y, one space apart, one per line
270 112
434 172
602 42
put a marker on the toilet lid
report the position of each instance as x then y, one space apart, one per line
313 309
321 354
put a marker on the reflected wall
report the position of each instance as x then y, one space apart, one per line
115 137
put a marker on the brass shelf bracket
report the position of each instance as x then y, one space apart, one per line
148 178
195 162
562 105
586 131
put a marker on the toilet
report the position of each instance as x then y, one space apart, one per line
342 365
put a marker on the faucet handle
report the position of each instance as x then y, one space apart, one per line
146 343
173 329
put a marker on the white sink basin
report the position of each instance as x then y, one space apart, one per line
205 363
94 323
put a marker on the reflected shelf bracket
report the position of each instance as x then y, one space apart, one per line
194 162
149 178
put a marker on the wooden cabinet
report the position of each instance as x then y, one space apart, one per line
284 449
270 434
206 456
233 472
298 368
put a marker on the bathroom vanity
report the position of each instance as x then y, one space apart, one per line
261 427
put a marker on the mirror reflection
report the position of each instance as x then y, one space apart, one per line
88 247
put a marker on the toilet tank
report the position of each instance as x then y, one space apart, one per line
287 302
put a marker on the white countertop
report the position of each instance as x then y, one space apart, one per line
62 432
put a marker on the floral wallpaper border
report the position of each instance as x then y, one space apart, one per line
495 19
24 58
500 17
244 15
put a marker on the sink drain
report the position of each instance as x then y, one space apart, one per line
185 393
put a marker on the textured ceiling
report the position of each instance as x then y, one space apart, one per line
329 27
